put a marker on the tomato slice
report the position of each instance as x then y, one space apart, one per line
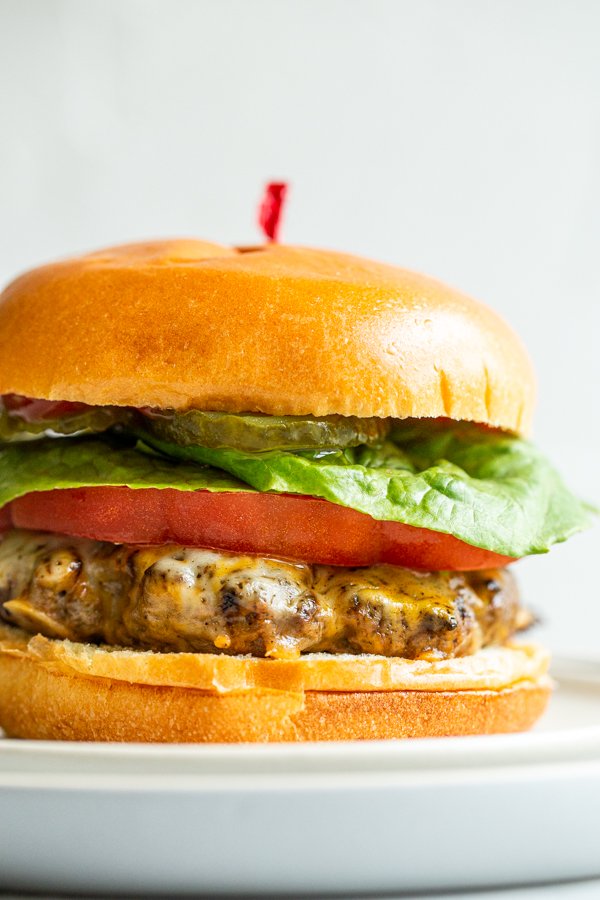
282 525
5 519
38 410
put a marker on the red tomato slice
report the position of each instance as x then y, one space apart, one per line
283 525
5 519
38 410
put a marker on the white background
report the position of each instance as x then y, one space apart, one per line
457 137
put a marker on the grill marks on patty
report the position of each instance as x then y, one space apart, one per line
180 599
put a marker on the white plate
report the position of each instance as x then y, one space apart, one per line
347 817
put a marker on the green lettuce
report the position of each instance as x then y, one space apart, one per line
487 489
74 463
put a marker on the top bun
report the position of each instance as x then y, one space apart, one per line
273 329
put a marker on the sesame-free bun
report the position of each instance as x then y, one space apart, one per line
51 689
273 329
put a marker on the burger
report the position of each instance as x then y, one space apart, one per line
264 494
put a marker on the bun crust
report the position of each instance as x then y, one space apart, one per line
275 329
52 690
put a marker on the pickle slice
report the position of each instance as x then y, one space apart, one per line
256 432
91 421
215 430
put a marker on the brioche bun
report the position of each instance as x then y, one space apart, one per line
51 689
274 329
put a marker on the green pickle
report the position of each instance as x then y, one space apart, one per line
215 430
92 421
256 432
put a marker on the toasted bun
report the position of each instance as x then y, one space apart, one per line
60 690
274 329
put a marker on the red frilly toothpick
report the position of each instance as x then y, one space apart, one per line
269 211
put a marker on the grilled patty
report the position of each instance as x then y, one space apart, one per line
179 599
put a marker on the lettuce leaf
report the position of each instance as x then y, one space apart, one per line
487 489
74 463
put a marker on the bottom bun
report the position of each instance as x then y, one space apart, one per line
51 690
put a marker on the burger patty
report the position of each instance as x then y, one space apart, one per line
174 598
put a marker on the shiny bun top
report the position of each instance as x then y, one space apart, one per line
274 329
